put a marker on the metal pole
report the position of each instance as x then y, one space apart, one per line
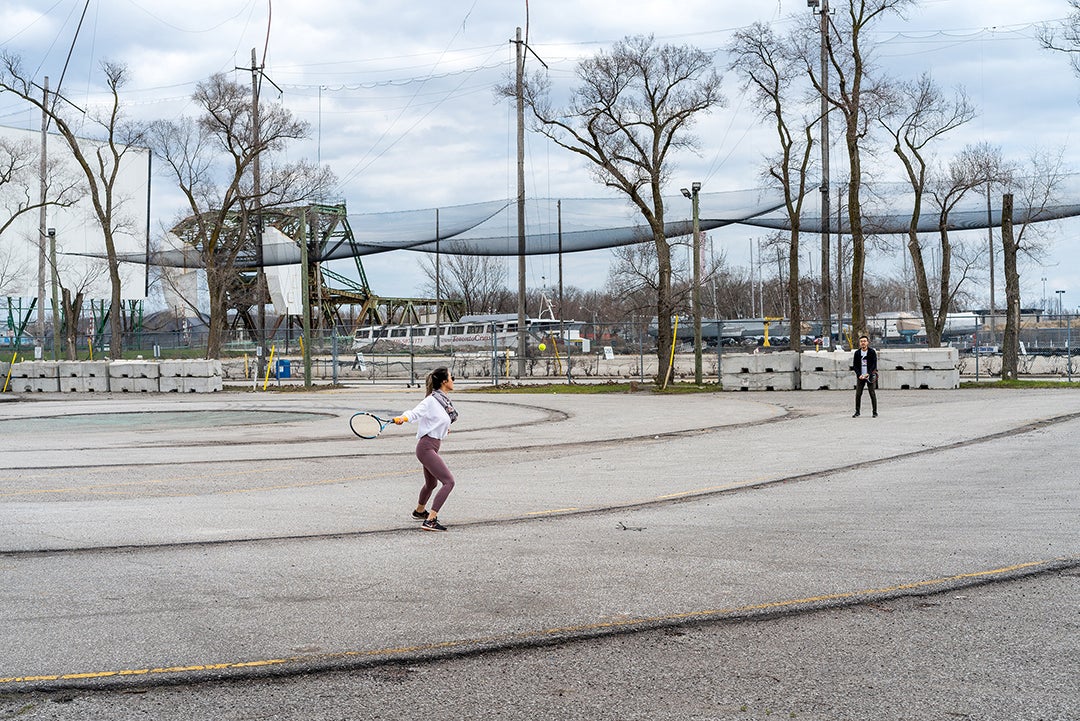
695 188
562 329
260 273
57 311
305 292
719 352
1068 350
826 290
521 200
39 345
438 278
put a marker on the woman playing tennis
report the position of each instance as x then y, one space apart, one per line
434 415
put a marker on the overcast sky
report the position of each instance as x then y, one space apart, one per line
401 103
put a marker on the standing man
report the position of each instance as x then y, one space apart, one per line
865 367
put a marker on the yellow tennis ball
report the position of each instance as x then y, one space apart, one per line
542 346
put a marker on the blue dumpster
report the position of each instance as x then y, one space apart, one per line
284 369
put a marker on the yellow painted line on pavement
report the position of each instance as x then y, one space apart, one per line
526 635
552 511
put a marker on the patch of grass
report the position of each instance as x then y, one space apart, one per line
1021 384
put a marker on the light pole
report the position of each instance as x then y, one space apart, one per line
821 9
692 194
1059 305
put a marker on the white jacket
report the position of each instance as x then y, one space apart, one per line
432 418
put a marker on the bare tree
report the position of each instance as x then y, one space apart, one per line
854 95
211 158
1064 36
479 281
771 71
100 163
916 114
20 182
633 109
1037 187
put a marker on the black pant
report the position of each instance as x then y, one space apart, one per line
869 384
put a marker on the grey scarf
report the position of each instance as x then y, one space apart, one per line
444 401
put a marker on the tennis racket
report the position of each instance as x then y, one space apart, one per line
368 425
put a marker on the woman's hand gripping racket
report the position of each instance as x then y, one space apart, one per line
368 425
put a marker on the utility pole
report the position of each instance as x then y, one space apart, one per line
692 195
39 346
438 280
260 274
826 289
521 201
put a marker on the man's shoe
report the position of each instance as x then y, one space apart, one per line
420 515
855 415
432 524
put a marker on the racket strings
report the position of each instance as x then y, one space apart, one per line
365 426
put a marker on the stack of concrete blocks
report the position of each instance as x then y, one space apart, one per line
36 376
826 371
778 371
135 376
83 376
190 376
925 368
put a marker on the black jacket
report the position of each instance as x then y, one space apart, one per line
871 362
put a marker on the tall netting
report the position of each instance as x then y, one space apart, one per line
571 225
888 209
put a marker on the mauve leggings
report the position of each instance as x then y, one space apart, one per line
435 470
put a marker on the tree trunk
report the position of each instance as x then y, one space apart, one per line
858 239
665 340
72 309
795 315
215 328
1010 348
922 290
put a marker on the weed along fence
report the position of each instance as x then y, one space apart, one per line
898 369
167 376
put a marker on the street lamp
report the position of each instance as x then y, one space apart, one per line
1060 306
692 194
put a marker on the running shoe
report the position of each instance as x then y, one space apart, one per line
432 524
420 515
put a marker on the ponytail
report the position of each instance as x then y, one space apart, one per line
435 379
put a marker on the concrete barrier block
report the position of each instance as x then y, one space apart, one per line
21 370
81 384
814 380
781 362
758 362
172 369
826 361
918 358
45 385
182 384
127 384
938 379
134 369
69 369
171 384
95 369
196 368
20 384
894 380
760 381
42 369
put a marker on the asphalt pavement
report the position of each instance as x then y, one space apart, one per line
736 555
